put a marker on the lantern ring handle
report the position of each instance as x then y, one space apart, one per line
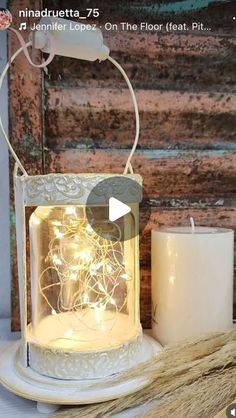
24 46
6 138
128 166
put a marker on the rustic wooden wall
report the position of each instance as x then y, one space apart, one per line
186 90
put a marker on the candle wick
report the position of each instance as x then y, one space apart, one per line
192 224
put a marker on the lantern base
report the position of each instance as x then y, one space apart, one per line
29 384
69 364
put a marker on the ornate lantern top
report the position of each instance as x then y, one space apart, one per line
57 189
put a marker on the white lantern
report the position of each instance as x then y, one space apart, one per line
84 277
84 287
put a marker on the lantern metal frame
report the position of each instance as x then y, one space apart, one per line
58 190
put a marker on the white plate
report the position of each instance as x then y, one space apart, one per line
31 385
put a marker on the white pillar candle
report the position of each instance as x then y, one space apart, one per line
192 281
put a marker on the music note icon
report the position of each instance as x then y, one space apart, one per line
22 26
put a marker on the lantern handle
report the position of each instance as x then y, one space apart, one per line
5 136
128 166
24 46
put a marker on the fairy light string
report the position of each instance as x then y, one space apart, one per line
84 270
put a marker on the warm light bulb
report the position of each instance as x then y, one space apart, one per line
98 265
73 276
125 276
58 233
109 268
89 229
86 298
70 211
56 260
84 255
56 223
101 287
95 267
75 268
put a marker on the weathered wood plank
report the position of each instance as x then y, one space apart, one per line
149 100
217 15
25 113
166 173
167 61
161 72
164 45
172 61
104 118
190 203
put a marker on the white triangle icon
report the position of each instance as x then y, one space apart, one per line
233 412
117 209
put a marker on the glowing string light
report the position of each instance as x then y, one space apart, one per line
95 266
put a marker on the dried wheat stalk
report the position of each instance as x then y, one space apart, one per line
196 378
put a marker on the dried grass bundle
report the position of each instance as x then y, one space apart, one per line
194 379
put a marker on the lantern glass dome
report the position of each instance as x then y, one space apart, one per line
83 284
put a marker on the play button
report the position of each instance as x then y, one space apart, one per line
117 209
112 206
